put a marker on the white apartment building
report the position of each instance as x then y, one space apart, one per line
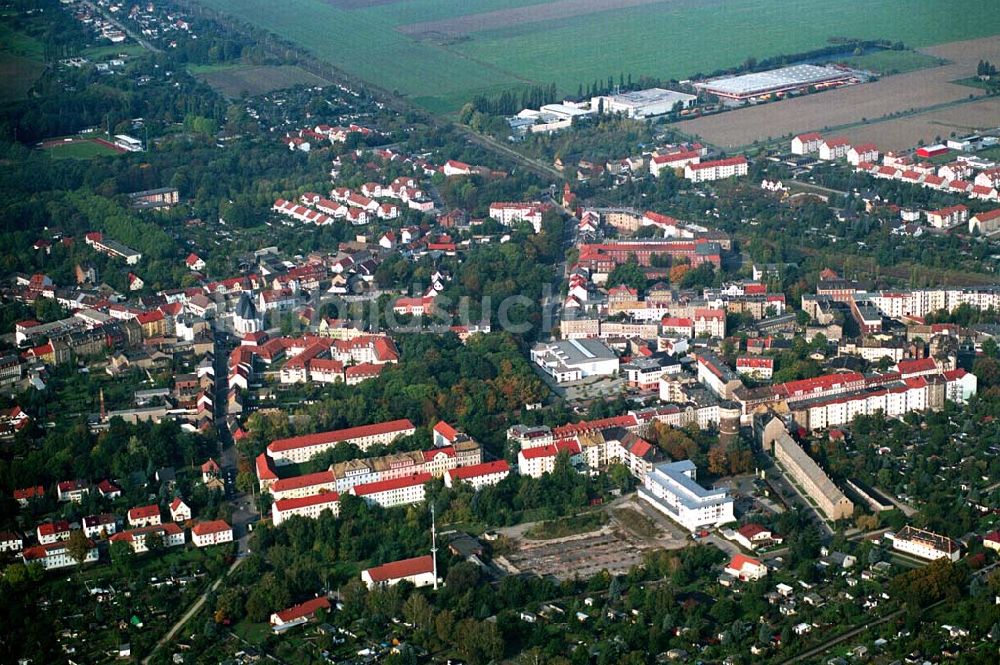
539 460
304 485
97 526
215 532
479 475
172 535
394 492
671 489
56 555
510 214
835 148
925 544
717 169
804 144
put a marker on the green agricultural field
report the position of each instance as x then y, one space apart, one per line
234 81
440 53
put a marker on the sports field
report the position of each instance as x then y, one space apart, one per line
440 53
235 81
79 148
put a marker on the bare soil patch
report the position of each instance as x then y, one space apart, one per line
872 101
505 18
906 132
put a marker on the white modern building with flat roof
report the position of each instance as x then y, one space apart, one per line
573 359
671 488
643 103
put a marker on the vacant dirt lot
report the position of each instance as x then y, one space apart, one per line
907 132
505 18
616 547
900 93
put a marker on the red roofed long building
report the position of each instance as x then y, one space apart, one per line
299 614
56 555
419 571
171 535
479 475
395 491
717 169
298 449
604 257
307 506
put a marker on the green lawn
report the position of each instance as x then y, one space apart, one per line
21 63
893 62
18 43
236 80
665 40
17 75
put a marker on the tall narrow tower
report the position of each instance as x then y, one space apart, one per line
103 414
434 549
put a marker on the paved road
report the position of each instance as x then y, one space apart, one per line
132 35
193 610
829 644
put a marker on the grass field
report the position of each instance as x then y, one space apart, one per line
21 63
893 62
665 38
238 80
79 149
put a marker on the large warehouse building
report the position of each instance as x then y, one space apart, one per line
643 103
786 79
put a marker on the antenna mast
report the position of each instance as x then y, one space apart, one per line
434 548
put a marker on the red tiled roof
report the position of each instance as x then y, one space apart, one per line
551 450
391 484
446 430
400 569
303 501
740 560
336 436
205 528
51 528
144 511
572 429
29 492
303 610
750 530
176 503
914 366
476 470
264 470
306 480
168 529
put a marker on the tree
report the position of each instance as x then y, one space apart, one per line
717 462
444 624
78 546
154 541
629 274
418 611
122 557
245 482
